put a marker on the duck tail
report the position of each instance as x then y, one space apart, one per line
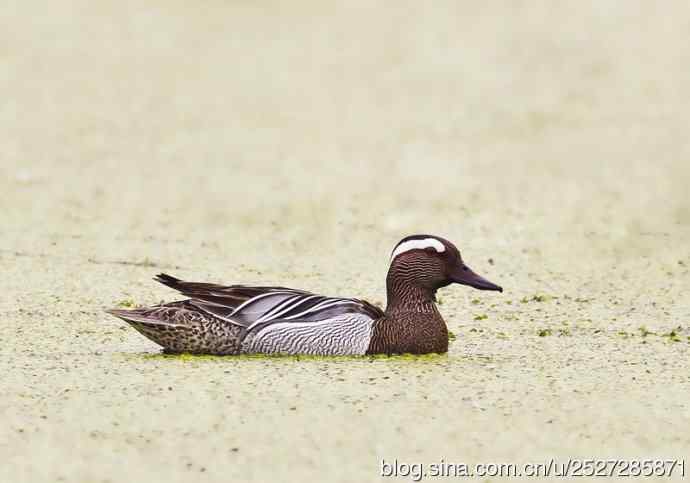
175 335
137 316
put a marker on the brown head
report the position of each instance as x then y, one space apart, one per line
421 264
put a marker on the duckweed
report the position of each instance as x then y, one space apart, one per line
481 317
147 262
537 298
545 332
184 356
672 336
188 357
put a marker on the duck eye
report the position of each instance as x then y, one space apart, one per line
465 268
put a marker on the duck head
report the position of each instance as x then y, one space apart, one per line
425 263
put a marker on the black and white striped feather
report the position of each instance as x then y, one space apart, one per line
254 308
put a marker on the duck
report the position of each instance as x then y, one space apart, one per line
240 319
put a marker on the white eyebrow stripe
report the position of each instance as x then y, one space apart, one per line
418 245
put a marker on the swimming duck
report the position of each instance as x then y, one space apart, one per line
238 319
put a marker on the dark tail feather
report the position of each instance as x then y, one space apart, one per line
168 280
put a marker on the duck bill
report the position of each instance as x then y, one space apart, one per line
465 276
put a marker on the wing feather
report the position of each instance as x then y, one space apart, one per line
256 307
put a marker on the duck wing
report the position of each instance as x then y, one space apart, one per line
257 307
